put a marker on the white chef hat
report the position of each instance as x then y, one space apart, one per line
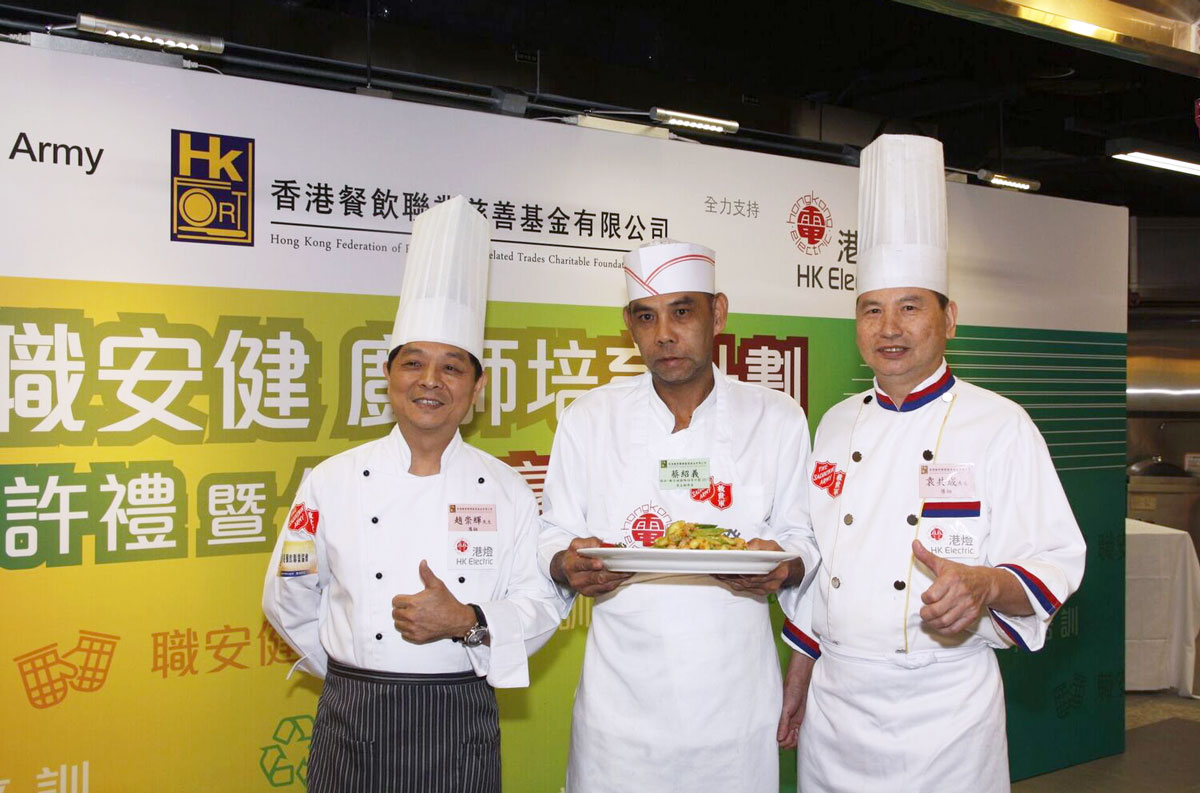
444 296
902 214
660 267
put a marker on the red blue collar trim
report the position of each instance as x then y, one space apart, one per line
920 398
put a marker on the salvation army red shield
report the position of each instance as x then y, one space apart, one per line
722 495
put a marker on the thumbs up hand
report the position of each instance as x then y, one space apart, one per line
959 593
431 614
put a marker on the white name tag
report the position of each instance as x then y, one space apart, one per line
947 480
473 542
681 474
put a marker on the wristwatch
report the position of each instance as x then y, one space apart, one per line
478 633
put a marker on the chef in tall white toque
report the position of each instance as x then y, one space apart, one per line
408 701
943 528
680 687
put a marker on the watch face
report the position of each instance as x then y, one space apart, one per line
476 636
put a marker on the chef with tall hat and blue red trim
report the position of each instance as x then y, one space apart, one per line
943 528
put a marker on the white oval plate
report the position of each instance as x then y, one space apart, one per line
677 560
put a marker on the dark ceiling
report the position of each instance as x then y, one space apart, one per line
997 99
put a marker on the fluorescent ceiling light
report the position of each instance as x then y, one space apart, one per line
674 118
1007 180
1154 155
157 37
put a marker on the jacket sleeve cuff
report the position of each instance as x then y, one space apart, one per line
1029 633
547 549
800 641
505 661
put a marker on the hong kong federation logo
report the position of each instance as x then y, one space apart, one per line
303 519
646 524
827 477
719 494
811 224
212 188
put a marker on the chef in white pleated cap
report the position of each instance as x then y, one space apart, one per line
943 529
408 702
681 686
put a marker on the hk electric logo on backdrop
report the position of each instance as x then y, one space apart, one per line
212 188
810 225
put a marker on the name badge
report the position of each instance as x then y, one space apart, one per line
682 474
298 558
947 480
473 542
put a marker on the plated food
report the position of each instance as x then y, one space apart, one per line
699 537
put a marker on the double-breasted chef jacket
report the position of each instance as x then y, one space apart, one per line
371 523
966 472
680 688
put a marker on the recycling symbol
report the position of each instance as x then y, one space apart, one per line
286 760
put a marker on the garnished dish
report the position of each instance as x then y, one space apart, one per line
700 537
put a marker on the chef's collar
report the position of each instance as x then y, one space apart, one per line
400 446
930 389
666 418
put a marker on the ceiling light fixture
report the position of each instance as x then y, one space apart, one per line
142 34
1154 155
1007 180
674 118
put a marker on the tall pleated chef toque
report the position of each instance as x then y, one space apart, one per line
664 266
444 296
902 237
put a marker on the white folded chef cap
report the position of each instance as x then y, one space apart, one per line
664 266
444 296
902 237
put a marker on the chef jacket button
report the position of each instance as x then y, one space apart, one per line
374 520
928 455
837 582
379 637
898 584
912 520
366 473
462 579
379 575
946 397
481 480
848 519
856 457
867 399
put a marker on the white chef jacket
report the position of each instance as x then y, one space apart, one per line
680 688
869 461
374 523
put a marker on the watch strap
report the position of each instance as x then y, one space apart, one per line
480 622
480 617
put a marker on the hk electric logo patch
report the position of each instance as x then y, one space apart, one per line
212 188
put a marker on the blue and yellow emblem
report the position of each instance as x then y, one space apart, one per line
212 188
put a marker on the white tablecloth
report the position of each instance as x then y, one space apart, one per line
1162 608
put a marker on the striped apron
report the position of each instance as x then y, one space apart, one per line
381 732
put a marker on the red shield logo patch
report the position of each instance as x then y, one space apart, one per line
827 477
719 494
303 519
